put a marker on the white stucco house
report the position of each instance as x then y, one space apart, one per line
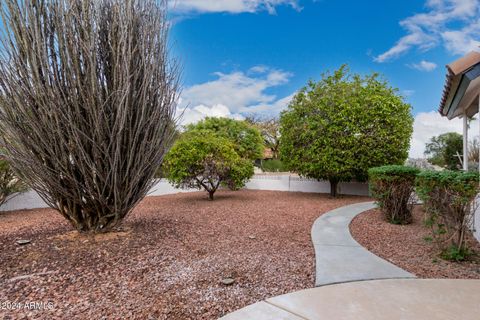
461 99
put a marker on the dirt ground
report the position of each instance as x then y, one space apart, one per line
167 261
408 247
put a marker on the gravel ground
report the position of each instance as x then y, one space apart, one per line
406 247
167 261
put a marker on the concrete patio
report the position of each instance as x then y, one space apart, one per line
379 299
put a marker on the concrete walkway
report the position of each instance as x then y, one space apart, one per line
339 258
395 299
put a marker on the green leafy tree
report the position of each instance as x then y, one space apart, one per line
338 128
443 150
205 160
269 127
246 139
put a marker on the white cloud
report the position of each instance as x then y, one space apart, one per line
452 23
234 95
430 124
236 90
230 6
197 113
424 66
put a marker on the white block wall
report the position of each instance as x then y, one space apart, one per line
31 200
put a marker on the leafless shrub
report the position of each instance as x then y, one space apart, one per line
88 101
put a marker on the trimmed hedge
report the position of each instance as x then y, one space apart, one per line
273 165
449 200
392 186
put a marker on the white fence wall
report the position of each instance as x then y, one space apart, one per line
31 200
298 184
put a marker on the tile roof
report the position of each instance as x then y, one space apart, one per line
454 72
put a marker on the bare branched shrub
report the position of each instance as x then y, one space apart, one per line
88 101
449 200
392 187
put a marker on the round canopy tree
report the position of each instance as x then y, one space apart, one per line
247 140
88 100
338 128
205 160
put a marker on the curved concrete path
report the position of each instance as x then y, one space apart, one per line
396 299
339 258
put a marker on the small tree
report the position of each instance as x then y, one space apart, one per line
206 161
88 100
270 129
246 139
338 128
444 150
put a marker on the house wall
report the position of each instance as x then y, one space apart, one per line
476 221
31 200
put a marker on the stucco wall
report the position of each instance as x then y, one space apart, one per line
476 221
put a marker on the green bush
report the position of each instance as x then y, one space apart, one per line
448 198
246 139
9 182
273 165
392 187
206 161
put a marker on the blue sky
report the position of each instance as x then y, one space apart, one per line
250 56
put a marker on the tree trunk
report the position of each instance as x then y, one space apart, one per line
210 194
333 188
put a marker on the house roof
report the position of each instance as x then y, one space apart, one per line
462 86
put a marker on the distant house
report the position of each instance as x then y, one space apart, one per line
267 154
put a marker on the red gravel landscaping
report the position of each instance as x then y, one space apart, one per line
406 247
167 261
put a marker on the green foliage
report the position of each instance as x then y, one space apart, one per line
273 165
338 128
453 253
269 127
392 187
204 160
246 139
9 182
443 149
448 198
428 239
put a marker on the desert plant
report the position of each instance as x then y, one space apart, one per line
246 139
449 200
392 187
206 161
88 101
338 128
